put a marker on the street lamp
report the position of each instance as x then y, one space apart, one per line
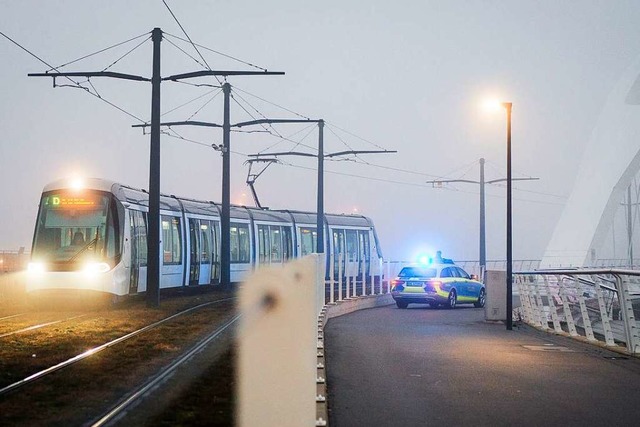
507 106
482 182
495 105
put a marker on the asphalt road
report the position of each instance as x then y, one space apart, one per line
420 366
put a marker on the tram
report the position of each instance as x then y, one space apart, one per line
92 237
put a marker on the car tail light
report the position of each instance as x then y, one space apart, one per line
434 285
397 285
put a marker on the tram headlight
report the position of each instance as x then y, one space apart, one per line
36 268
96 267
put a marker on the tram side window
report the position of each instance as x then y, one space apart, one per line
364 247
112 237
263 243
352 245
139 234
240 246
142 237
338 248
308 238
276 244
205 247
171 240
287 243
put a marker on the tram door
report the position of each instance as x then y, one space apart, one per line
138 246
205 252
363 240
215 253
194 258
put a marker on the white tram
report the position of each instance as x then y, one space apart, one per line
93 237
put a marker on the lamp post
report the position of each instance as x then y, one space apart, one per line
482 182
507 106
493 105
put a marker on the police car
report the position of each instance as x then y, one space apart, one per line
437 284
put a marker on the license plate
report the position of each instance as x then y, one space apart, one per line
415 283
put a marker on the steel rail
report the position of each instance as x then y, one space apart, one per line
41 325
12 316
121 408
95 350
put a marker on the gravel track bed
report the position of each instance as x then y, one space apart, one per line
79 393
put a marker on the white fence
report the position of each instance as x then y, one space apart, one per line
597 304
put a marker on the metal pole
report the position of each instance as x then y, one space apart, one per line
483 256
331 277
320 210
225 225
629 227
153 243
508 106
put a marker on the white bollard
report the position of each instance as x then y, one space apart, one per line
346 274
388 275
354 277
380 272
372 276
331 283
363 269
276 367
340 258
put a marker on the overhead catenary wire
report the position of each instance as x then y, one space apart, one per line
217 52
233 96
127 53
75 83
309 129
189 38
176 135
272 103
204 105
102 50
191 101
270 127
354 135
185 53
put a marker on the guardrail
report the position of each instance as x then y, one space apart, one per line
600 305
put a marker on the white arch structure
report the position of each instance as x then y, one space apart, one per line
609 163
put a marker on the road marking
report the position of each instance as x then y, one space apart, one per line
548 347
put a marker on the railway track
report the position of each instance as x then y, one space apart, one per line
41 325
12 316
134 398
101 375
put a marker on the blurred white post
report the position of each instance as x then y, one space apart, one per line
276 384
347 266
340 258
321 290
372 275
388 275
363 269
331 283
354 278
381 272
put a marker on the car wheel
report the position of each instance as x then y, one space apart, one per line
402 304
481 299
452 299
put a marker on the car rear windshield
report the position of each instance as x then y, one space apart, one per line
417 272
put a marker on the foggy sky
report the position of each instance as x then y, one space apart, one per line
406 76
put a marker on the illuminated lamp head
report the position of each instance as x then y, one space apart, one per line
76 184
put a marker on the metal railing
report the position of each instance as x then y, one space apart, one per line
597 304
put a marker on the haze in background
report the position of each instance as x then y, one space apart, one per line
407 76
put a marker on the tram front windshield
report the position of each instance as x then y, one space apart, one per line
76 227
